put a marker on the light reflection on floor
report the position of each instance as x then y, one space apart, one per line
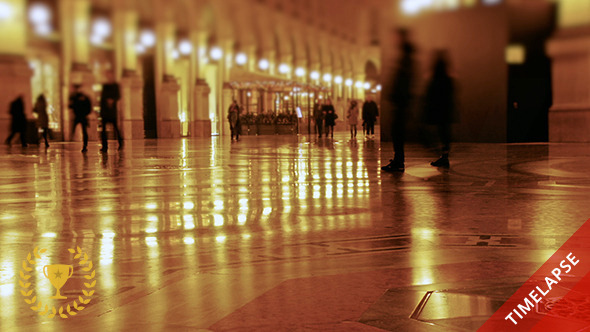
206 233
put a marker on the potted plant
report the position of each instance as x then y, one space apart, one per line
247 121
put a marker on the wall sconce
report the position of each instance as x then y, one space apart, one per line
6 11
241 58
216 53
147 38
263 64
185 47
283 68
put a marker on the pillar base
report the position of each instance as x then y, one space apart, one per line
133 129
569 117
132 106
168 122
169 129
200 128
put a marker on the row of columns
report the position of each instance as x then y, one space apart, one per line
74 22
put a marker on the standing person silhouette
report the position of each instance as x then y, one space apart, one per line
19 121
370 114
318 117
233 116
42 120
109 100
401 95
439 107
81 105
353 118
330 117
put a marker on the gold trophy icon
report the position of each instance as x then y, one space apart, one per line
58 275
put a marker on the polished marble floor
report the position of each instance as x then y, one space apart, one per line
281 233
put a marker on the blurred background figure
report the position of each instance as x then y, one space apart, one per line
81 105
370 114
353 118
330 117
439 104
40 109
19 121
109 100
233 116
318 117
401 96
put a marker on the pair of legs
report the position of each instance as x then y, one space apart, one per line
235 131
105 142
22 137
329 131
369 128
398 133
444 134
45 134
83 124
319 125
353 131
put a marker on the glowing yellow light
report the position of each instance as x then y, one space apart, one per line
218 220
242 219
189 240
189 205
151 230
241 58
49 235
151 206
6 10
218 204
220 239
152 218
108 235
151 241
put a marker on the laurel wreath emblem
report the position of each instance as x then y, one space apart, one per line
69 309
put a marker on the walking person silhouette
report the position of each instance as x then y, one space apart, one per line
81 105
401 96
19 121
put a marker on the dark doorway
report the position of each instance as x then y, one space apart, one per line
529 82
149 97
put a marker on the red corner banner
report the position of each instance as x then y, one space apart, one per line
556 297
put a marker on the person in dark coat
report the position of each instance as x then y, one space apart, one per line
318 117
40 109
81 105
329 117
370 114
109 99
233 116
19 121
439 104
401 96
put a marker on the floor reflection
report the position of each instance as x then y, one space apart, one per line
228 222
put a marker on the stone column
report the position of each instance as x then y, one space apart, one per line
569 49
131 84
75 29
201 125
168 87
15 74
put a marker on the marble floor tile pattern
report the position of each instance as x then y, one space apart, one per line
280 233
